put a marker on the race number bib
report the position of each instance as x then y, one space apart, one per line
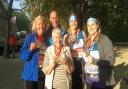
92 73
77 49
91 69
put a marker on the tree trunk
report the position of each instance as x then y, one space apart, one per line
8 14
6 47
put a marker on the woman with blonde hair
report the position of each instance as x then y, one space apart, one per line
32 53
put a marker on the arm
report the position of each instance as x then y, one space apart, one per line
65 39
48 64
25 53
69 64
108 58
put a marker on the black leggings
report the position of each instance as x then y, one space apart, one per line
77 78
31 84
41 79
107 87
36 84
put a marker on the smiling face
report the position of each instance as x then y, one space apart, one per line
54 19
57 37
92 28
73 24
39 26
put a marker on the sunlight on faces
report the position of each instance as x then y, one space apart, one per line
54 19
73 22
57 37
39 25
92 26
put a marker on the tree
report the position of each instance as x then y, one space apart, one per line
43 7
22 21
113 14
6 9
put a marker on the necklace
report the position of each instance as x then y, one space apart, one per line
58 50
57 53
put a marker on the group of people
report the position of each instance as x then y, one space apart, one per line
55 58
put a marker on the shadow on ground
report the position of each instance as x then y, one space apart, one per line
121 72
10 74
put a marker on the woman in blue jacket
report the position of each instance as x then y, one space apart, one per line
32 53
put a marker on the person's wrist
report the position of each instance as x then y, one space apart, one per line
53 64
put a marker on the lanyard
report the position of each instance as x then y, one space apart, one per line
58 50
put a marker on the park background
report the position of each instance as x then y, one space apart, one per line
16 17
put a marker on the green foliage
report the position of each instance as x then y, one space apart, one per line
43 7
113 14
22 21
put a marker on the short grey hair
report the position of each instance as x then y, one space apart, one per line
91 20
56 30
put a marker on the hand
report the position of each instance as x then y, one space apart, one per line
74 53
67 66
90 59
66 39
66 62
53 60
32 46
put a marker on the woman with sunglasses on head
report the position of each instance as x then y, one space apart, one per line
100 57
75 40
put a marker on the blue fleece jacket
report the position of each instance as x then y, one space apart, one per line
30 58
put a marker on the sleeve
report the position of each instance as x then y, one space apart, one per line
70 59
81 35
25 53
64 32
46 60
108 58
84 36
